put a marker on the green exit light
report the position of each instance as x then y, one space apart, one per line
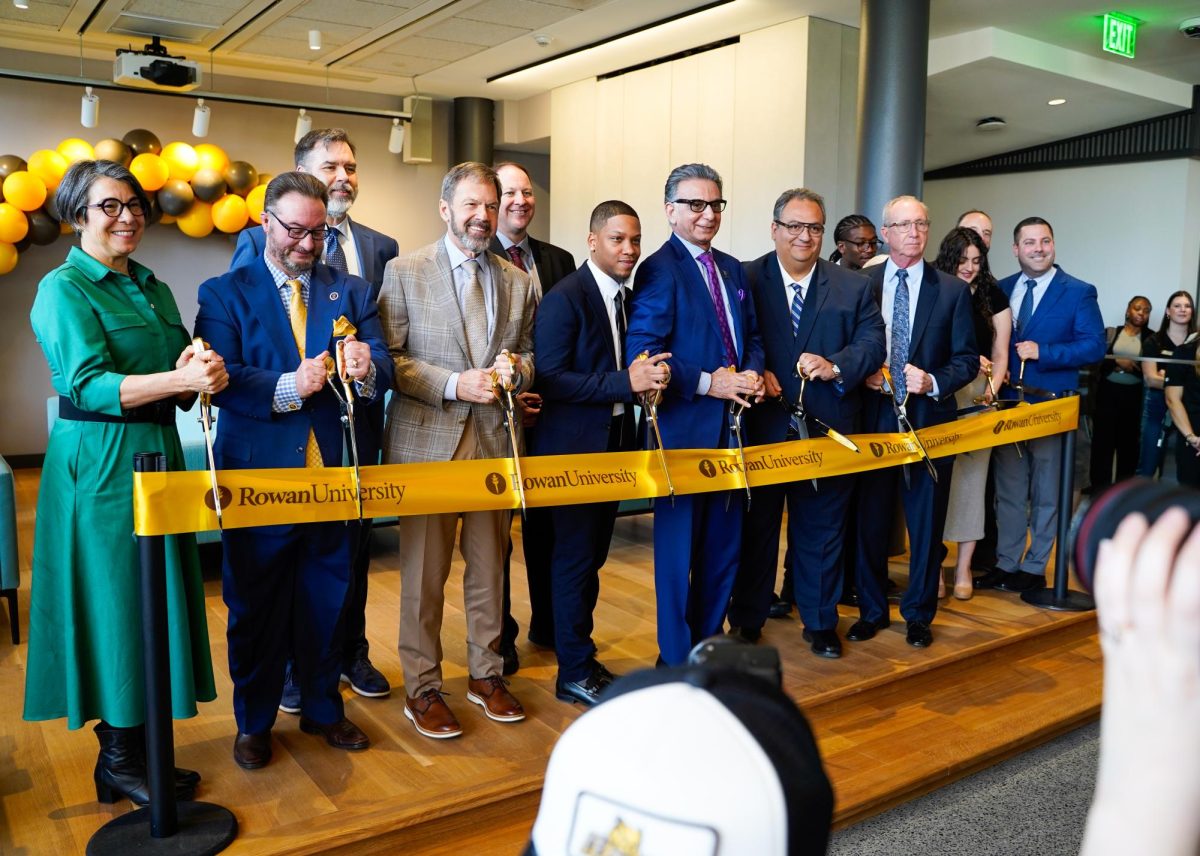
1120 34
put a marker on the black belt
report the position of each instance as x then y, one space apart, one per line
157 412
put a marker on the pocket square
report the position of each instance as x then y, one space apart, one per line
343 327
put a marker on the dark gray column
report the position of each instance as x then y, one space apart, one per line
892 70
474 129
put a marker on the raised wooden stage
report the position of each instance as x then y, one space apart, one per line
893 722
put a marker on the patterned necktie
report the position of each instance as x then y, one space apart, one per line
298 317
619 303
334 256
1026 311
797 307
899 354
514 253
475 313
718 299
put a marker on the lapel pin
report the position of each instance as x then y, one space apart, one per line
333 295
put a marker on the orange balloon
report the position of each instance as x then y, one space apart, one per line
49 166
8 258
75 149
14 225
229 213
255 200
65 228
197 221
24 190
212 157
182 160
166 220
151 171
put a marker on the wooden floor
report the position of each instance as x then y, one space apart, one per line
892 722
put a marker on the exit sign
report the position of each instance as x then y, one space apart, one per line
1120 34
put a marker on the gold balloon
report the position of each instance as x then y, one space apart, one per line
241 177
10 164
14 225
167 219
142 142
229 213
24 190
182 159
8 257
208 185
255 200
115 151
151 171
49 166
176 197
75 149
212 157
197 221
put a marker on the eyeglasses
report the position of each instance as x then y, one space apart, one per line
114 207
794 229
297 233
862 246
698 205
907 225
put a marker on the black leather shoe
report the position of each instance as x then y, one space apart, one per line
919 635
252 751
342 734
749 635
1022 581
362 676
825 643
587 691
508 651
992 579
862 630
848 598
779 608
542 640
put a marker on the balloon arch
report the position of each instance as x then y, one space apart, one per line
197 188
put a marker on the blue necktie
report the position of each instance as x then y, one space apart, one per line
899 354
1026 311
797 309
334 257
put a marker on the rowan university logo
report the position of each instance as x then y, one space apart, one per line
226 497
494 483
708 469
877 450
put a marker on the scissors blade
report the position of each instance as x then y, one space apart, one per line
906 427
736 420
510 417
837 436
802 414
348 404
206 421
652 415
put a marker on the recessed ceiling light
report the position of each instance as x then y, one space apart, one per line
1054 102
991 123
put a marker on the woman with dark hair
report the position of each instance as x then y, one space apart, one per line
963 254
121 362
1117 413
856 242
1178 327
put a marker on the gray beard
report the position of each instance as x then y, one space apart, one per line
337 209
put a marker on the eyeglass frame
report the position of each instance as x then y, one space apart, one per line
817 230
318 235
907 226
121 210
861 245
717 205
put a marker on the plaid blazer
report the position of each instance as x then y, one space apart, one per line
423 326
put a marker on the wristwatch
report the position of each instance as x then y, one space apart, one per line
837 373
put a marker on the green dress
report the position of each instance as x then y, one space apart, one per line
96 326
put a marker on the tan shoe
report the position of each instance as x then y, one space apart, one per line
963 591
432 716
493 696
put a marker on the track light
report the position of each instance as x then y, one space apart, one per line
200 119
89 109
396 138
303 124
314 40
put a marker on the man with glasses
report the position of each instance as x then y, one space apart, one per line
275 321
693 302
823 336
931 354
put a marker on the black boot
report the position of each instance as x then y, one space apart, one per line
183 778
121 767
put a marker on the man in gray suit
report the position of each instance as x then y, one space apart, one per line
452 314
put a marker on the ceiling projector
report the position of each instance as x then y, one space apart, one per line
153 68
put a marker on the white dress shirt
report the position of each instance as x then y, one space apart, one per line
705 381
916 272
609 289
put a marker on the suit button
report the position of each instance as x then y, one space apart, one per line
300 450
293 406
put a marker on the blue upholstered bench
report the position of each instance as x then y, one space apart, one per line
10 570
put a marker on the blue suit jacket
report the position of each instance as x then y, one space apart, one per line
1067 327
673 311
244 320
942 342
375 250
578 373
840 322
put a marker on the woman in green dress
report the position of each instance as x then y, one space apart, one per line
121 362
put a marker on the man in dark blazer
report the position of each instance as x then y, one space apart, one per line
329 155
546 264
931 352
285 585
824 318
693 302
587 406
1058 329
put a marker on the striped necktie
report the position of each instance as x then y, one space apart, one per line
298 317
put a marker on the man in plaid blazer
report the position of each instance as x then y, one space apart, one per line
453 313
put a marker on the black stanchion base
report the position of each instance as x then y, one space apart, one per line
1075 601
204 829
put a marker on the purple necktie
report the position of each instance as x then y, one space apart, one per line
714 288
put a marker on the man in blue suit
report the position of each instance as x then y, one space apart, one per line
329 155
587 406
285 585
1058 329
693 302
824 318
931 354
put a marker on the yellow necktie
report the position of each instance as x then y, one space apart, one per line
299 317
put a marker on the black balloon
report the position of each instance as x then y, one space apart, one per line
241 177
175 197
142 141
43 229
208 185
23 244
156 211
10 164
115 151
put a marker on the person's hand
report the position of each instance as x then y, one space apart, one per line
202 371
530 405
311 375
734 385
1193 441
357 358
771 385
475 385
918 381
1027 350
815 366
985 365
875 381
650 373
1125 365
506 367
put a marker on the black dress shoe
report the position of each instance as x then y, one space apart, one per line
825 643
862 630
779 608
1022 581
342 734
919 635
992 579
252 751
848 598
508 651
542 640
749 635
587 691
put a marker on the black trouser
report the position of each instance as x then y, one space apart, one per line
1116 430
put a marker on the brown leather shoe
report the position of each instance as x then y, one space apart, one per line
342 734
432 716
252 751
493 696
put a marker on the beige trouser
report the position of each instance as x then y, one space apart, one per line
426 548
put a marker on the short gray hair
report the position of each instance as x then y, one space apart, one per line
681 174
802 193
72 197
892 203
469 171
